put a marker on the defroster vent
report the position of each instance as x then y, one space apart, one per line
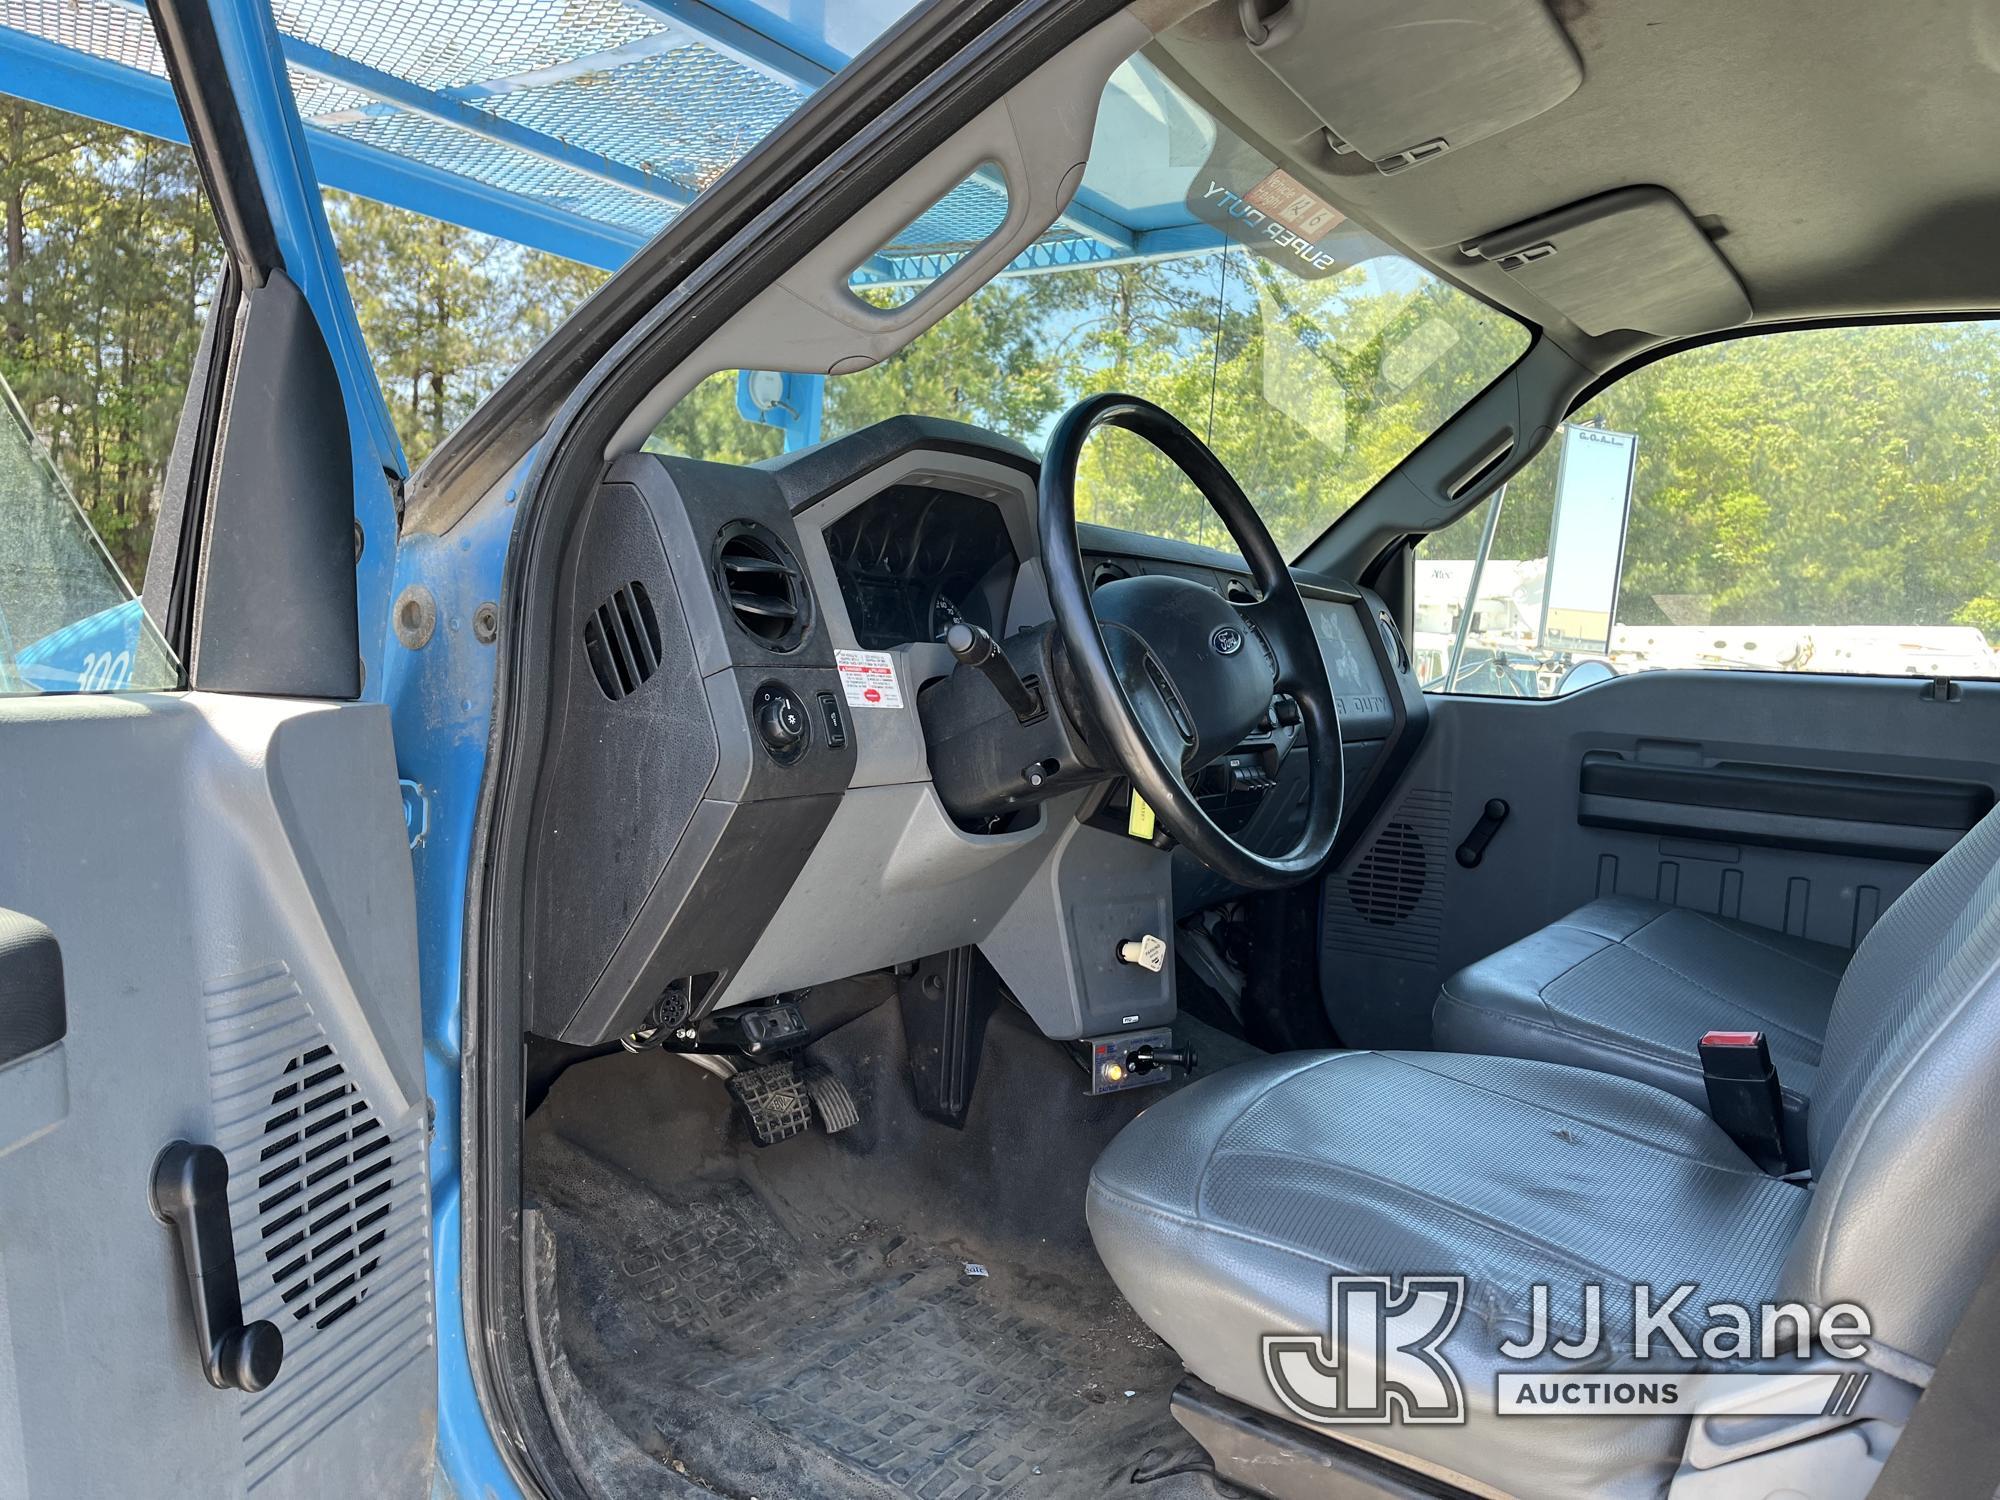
622 640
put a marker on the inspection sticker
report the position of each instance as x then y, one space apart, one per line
868 678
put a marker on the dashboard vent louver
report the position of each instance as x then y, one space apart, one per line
1236 591
1106 572
622 640
763 587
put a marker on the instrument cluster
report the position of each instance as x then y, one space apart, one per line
915 560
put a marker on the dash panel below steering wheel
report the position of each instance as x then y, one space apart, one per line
1166 674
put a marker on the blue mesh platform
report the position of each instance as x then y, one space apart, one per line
580 128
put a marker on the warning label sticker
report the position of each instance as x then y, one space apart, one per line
868 678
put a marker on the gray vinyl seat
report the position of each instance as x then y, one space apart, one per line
1222 1210
1629 986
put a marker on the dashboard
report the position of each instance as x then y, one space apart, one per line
736 813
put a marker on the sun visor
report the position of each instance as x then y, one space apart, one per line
1633 259
1401 81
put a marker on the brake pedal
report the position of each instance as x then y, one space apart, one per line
834 1104
774 1101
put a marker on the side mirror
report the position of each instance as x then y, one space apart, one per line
1587 539
1520 618
1586 673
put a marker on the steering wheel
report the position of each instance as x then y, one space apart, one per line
1164 675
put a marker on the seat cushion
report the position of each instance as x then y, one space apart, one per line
1223 1209
1628 986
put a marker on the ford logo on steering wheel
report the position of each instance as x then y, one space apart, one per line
1227 640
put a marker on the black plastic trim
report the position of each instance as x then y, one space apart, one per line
1410 720
1598 384
34 1012
1795 791
171 566
275 610
1782 807
811 474
185 30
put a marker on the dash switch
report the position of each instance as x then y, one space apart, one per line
836 721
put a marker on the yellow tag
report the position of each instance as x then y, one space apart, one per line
1139 821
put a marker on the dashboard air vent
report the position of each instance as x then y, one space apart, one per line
622 640
1106 572
1236 591
763 586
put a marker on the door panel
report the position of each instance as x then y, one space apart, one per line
229 882
1798 803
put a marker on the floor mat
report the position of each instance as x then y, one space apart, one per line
848 1359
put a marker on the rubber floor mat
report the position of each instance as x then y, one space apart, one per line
848 1360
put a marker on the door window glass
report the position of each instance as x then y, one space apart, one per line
112 257
1825 500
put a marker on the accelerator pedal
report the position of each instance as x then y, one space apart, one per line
835 1106
773 1100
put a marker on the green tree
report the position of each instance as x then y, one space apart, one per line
705 424
1309 390
447 312
112 257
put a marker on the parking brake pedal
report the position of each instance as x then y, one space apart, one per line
780 1100
773 1100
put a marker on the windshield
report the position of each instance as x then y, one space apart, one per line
1310 355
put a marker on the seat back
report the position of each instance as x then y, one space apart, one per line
1906 1113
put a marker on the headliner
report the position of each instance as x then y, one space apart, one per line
1840 153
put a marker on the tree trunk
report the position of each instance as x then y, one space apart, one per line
441 310
17 226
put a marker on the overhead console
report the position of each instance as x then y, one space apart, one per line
698 749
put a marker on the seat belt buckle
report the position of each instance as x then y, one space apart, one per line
1744 1096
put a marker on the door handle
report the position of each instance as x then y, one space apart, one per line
190 1191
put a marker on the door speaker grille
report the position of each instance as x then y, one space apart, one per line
622 640
1389 881
324 1190
1390 902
